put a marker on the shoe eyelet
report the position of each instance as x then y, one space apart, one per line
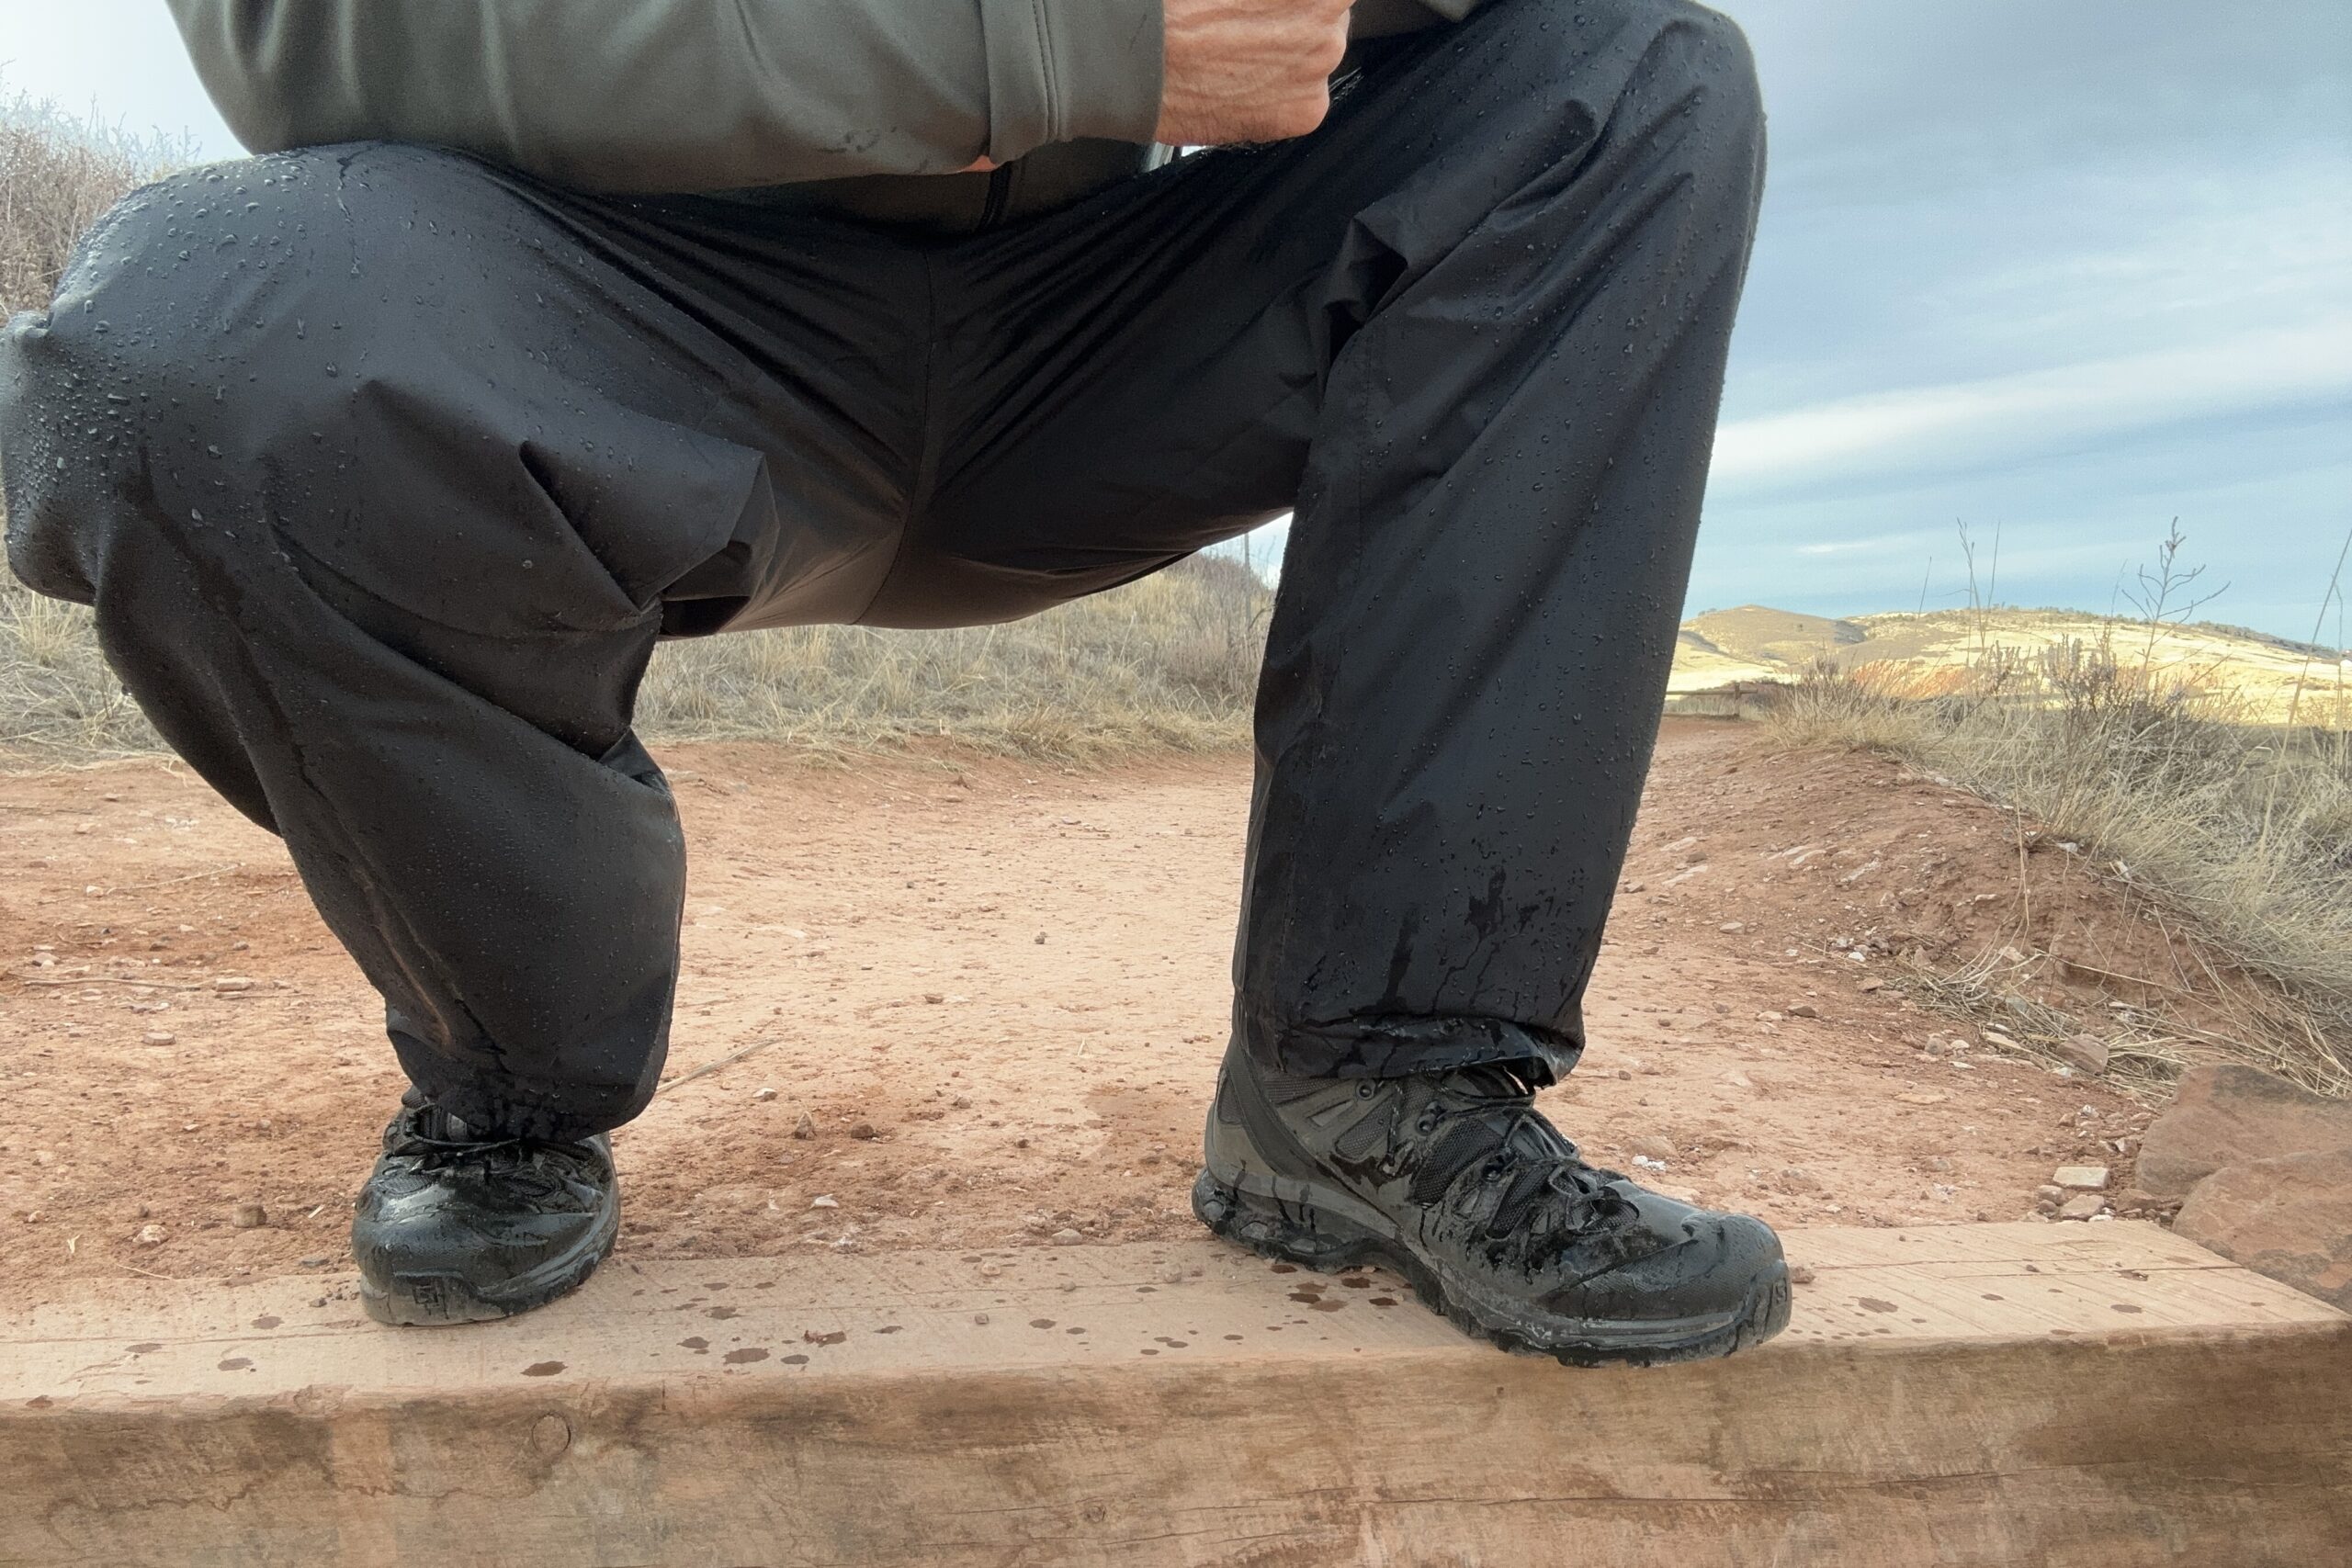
1364 1088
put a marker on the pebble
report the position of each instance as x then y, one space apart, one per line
1873 983
806 1127
1652 1146
250 1216
825 1200
2082 1206
2084 1053
1067 1237
862 1130
1803 1009
150 1236
763 1095
1733 926
2082 1177
231 983
158 1037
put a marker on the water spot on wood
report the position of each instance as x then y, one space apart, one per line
1871 1304
1041 1323
747 1355
722 1314
235 1364
1383 1300
542 1368
698 1343
794 1360
2126 1307
267 1322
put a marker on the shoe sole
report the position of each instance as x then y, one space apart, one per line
1299 1222
443 1300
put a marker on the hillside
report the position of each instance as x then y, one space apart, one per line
1754 643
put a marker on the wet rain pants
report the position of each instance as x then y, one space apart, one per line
385 470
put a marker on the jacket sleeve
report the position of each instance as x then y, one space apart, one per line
685 95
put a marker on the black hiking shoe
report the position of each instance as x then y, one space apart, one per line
454 1228
1456 1181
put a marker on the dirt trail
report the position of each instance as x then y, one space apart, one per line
998 990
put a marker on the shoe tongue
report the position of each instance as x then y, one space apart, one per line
435 1125
1488 1080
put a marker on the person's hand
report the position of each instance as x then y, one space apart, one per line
1249 70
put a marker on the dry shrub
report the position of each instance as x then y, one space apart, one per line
57 174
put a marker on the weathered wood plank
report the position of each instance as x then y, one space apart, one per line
1980 1396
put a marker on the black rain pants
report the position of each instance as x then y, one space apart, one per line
385 470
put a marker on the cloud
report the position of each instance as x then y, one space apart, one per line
1972 425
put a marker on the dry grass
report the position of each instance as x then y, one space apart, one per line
59 703
2241 833
1169 662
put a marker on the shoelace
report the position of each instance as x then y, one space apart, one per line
433 1154
1549 1193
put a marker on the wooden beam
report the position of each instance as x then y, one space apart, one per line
1988 1395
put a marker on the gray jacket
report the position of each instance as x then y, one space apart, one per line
827 103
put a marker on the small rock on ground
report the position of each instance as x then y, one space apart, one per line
2084 1053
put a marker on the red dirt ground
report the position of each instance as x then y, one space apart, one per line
997 989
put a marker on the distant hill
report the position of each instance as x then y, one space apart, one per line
1756 643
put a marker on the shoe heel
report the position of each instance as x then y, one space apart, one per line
1291 1228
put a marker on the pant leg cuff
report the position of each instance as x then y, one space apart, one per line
1397 1045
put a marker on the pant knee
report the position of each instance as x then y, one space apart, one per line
1630 67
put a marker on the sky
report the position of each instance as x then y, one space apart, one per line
2063 272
